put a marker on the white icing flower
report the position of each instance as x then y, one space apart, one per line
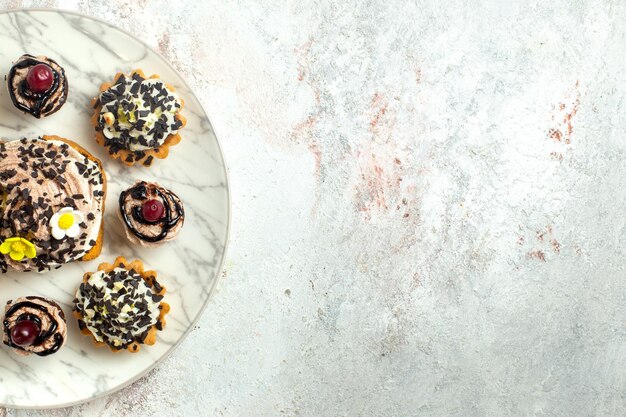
66 222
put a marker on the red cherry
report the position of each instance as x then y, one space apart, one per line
39 78
25 332
152 210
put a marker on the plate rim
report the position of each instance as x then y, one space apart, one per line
220 268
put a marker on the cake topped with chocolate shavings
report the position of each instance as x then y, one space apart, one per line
51 203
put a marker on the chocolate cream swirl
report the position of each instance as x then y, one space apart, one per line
47 314
37 104
142 231
37 178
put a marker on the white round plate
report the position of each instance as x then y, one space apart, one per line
92 52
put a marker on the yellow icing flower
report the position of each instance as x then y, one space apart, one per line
17 248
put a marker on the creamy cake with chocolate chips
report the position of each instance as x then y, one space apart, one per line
52 195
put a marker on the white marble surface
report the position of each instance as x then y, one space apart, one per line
428 208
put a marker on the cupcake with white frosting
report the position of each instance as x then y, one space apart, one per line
137 118
121 305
